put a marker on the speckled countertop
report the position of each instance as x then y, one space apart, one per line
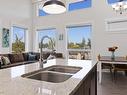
11 82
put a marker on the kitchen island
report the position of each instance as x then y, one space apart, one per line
81 83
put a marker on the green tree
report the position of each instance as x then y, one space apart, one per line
50 44
83 43
18 46
70 45
89 43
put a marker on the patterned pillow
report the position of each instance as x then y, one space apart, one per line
5 60
1 62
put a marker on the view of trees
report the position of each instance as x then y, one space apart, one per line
49 44
18 46
82 45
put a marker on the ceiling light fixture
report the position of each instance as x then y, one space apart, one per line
120 6
54 6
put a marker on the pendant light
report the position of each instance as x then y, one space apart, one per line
54 6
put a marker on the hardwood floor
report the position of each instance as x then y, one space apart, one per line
108 87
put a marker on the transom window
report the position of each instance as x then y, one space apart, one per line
47 44
80 5
113 1
18 41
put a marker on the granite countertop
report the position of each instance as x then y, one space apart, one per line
11 82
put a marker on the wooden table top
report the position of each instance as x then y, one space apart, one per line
117 59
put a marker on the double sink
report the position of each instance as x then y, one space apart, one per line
54 74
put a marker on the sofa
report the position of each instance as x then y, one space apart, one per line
24 58
19 59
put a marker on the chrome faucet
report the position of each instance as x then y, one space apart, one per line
51 56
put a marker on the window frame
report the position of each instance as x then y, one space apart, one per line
78 25
81 6
42 30
25 36
88 23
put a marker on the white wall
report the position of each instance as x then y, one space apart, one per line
101 39
15 13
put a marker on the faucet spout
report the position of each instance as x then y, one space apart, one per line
51 56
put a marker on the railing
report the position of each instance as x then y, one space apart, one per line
83 54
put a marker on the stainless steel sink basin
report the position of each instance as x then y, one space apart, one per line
54 74
49 77
64 69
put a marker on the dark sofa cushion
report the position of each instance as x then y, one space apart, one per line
16 58
25 55
31 57
46 55
37 55
5 55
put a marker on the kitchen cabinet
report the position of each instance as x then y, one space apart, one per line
88 85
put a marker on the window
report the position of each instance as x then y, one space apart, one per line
47 44
18 41
79 5
42 13
113 1
79 41
79 37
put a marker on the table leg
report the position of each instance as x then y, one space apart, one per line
100 73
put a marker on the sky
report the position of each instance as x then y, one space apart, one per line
79 5
47 32
75 34
20 32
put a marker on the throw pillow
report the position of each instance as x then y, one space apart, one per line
5 60
1 62
32 57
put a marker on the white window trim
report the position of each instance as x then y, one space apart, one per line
25 37
37 37
89 23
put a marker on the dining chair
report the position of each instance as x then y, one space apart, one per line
106 66
119 67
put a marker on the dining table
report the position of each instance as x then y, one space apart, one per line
108 60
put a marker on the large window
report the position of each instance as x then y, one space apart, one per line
79 37
79 41
47 43
18 42
80 5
